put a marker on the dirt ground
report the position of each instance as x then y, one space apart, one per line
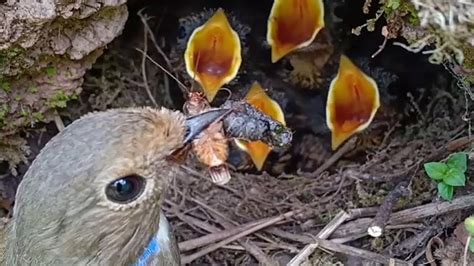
424 117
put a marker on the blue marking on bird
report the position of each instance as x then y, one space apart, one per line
153 248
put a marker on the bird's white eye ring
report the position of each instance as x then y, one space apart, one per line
125 189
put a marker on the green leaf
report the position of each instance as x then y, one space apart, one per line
445 191
436 170
469 224
458 161
455 178
471 245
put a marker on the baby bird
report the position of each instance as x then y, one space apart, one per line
293 25
92 196
212 44
352 102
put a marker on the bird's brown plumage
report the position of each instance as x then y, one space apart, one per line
62 214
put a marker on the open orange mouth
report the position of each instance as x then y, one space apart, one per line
352 102
293 24
213 54
258 98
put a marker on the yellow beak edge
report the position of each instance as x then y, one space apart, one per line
213 54
352 102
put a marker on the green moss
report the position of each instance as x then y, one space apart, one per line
60 99
51 71
33 89
4 110
24 113
10 54
6 86
402 8
38 116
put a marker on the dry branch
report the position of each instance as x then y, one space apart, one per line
341 217
380 220
346 147
249 245
260 225
360 253
432 209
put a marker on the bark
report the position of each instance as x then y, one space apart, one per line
45 49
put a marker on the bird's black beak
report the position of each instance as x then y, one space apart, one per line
196 124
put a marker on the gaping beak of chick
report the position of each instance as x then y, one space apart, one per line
352 102
213 54
258 150
293 24
198 123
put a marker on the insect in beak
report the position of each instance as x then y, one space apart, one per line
258 150
213 54
293 24
352 102
198 123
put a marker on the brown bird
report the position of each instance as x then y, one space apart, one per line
92 196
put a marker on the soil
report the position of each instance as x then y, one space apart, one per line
423 112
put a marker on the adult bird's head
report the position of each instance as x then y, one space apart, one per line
93 194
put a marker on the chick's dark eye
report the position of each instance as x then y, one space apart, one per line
125 189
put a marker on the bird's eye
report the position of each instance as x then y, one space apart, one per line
181 32
125 189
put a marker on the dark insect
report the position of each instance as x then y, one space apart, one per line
247 123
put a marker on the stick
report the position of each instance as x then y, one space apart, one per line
249 245
432 209
381 218
349 145
379 178
466 250
341 217
356 252
218 236
143 65
58 121
263 224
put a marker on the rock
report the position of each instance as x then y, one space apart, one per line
46 47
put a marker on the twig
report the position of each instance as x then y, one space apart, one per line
159 50
380 220
429 251
341 217
349 145
58 122
145 79
264 223
378 178
214 237
249 245
466 248
409 215
253 249
163 69
360 253
381 47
